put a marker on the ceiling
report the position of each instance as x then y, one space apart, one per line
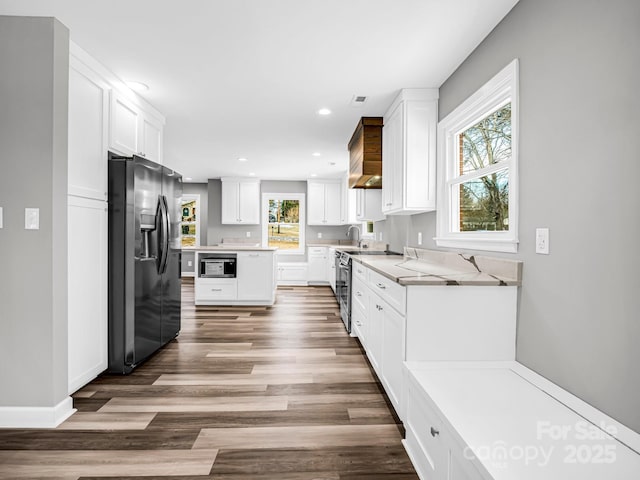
246 78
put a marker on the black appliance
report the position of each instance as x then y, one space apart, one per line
217 265
144 259
343 280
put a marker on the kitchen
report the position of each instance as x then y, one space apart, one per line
576 306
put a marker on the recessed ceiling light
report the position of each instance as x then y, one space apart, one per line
251 174
242 159
316 154
324 111
188 179
137 86
314 174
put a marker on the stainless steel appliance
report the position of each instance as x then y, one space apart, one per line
343 280
217 265
144 259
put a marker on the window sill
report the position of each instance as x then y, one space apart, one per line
490 245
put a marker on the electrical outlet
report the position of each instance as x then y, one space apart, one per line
32 218
542 241
319 234
189 263
380 236
419 238
248 234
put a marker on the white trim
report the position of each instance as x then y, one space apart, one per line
498 91
36 417
302 220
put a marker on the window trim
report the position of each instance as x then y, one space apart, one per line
302 222
498 91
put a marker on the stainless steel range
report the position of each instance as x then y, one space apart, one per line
343 280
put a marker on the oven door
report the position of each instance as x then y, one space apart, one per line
343 289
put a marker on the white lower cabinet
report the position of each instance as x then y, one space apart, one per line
254 283
393 354
255 276
317 265
88 290
215 290
292 273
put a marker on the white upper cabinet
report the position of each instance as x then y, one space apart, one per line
133 130
325 200
88 127
240 203
409 153
368 205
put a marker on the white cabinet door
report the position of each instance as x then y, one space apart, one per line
151 145
375 332
134 131
333 212
369 205
249 203
393 354
255 275
409 153
124 125
88 130
317 268
240 202
230 202
88 290
315 204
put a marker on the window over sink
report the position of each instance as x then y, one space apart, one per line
477 169
283 222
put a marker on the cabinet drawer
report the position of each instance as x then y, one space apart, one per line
358 325
318 251
359 271
391 292
426 435
216 289
359 296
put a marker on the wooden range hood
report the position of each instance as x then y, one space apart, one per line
365 154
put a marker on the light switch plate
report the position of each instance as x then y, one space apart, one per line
248 234
319 234
419 238
32 218
542 241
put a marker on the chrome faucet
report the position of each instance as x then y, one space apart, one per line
359 233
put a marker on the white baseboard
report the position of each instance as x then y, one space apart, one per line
36 417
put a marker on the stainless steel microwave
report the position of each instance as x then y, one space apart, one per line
217 265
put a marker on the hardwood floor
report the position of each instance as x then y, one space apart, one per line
243 393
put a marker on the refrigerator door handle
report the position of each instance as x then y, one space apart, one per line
162 234
166 234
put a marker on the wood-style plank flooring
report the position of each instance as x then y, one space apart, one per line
243 393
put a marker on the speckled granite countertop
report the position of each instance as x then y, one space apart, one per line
230 248
431 267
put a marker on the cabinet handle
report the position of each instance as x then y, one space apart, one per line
434 432
358 294
379 307
216 289
358 323
379 285
254 254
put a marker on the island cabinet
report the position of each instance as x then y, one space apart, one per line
409 153
254 283
325 200
240 202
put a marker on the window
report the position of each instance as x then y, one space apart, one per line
190 224
477 169
283 222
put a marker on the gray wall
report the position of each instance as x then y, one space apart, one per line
217 231
34 59
579 76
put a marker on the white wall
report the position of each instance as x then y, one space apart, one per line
579 320
34 60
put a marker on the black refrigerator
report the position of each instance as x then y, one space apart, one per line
144 259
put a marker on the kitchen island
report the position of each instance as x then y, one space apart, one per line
235 275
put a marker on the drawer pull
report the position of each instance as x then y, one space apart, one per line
216 289
379 285
434 432
358 294
379 307
359 271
